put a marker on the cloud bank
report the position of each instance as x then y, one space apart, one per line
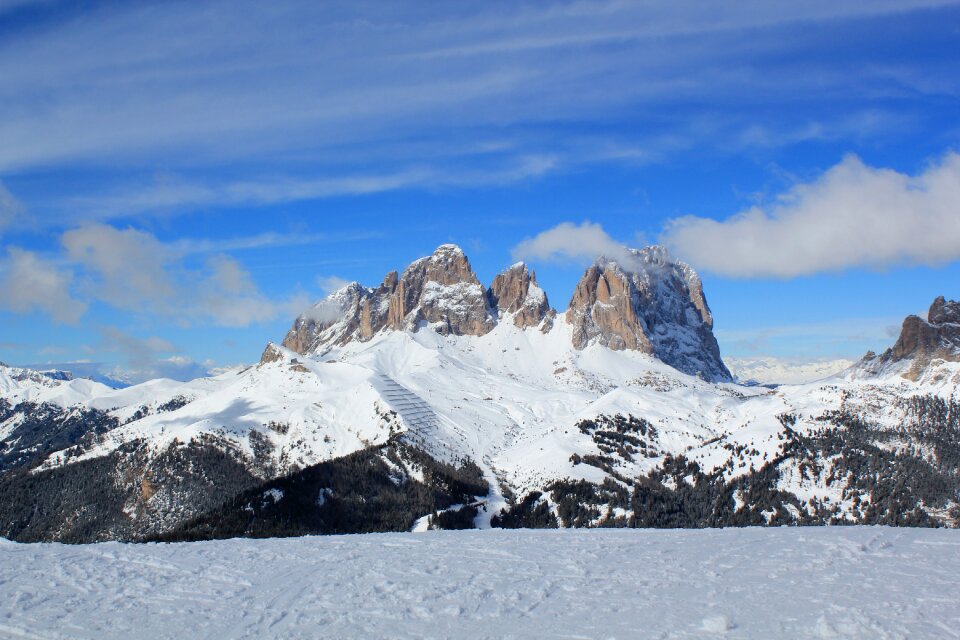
147 358
29 283
853 215
131 270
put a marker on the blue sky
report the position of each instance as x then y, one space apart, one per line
177 180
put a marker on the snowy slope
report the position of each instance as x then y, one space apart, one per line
771 370
529 403
510 400
56 387
834 582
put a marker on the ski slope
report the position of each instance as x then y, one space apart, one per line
831 582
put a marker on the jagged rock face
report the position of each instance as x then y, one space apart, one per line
516 292
440 290
944 312
271 354
925 340
651 304
603 310
334 320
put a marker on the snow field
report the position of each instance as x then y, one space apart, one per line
850 582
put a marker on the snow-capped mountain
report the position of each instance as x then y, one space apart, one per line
776 371
433 401
652 304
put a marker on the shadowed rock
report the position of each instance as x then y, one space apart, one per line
938 337
515 292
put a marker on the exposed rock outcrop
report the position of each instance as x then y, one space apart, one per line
336 319
650 303
923 341
515 293
443 291
271 353
440 290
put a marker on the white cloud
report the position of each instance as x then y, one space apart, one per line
851 216
147 358
208 80
171 194
129 268
30 283
10 208
269 239
132 270
329 284
227 295
568 242
137 350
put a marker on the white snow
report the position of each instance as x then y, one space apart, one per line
773 370
849 582
509 400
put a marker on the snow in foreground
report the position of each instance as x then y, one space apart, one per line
760 583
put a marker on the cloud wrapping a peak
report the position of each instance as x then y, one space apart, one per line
852 216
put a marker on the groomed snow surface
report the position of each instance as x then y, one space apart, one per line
850 582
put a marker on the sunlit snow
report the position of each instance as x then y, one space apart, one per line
832 582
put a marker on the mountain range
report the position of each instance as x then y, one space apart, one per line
432 401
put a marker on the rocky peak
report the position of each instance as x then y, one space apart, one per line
334 320
923 341
648 302
271 353
440 290
643 301
943 312
515 292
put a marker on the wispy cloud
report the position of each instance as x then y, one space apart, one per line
329 284
201 84
131 270
146 358
171 194
266 240
11 209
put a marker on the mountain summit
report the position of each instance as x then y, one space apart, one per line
922 343
644 302
440 290
651 303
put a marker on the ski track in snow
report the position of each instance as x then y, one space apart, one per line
849 582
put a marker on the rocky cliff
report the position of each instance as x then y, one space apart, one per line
440 291
516 294
922 342
651 303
